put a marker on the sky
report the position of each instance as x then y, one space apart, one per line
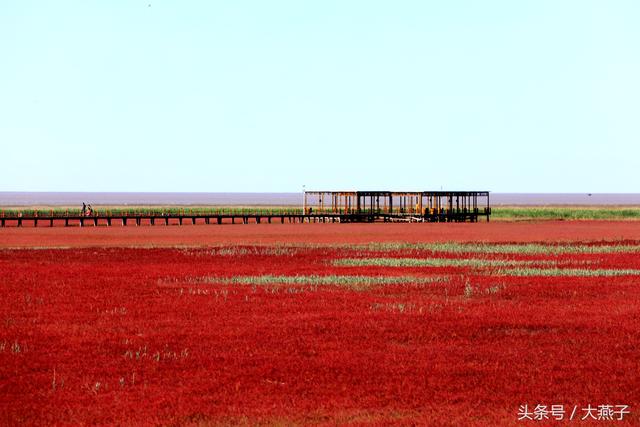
268 96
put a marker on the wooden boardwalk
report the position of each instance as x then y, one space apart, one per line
318 206
44 219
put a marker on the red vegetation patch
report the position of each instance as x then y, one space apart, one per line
156 336
317 233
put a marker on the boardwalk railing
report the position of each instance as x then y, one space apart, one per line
224 216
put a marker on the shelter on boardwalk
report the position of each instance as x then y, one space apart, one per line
424 205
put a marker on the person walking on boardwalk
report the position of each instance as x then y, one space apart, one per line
84 209
89 210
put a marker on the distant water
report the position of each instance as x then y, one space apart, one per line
282 199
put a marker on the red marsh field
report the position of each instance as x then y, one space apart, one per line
188 235
321 324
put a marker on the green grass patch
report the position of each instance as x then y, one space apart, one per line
145 211
564 213
577 272
351 282
436 262
501 248
234 251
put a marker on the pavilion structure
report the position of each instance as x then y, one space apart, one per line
433 206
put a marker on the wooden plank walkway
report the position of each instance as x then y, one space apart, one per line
180 219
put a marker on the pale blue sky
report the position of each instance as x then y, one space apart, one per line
507 96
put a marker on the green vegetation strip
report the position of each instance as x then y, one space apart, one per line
446 247
265 251
500 248
566 213
354 282
577 272
434 262
146 211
